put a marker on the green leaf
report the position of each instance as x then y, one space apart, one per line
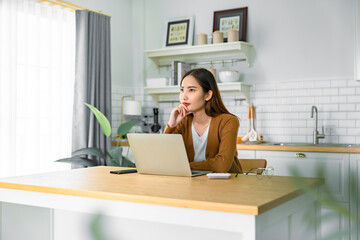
103 121
127 163
125 127
118 159
116 156
77 160
97 228
89 151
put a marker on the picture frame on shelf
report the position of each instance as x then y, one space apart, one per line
225 20
179 31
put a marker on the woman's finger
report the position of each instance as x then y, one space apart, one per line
179 109
185 107
184 111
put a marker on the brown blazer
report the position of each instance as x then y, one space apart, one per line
221 153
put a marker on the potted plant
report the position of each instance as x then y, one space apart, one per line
82 157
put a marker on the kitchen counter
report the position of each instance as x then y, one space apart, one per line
246 207
266 147
317 148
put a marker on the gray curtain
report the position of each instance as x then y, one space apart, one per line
92 81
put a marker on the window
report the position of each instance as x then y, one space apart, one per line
37 72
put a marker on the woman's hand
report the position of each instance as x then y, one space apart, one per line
177 114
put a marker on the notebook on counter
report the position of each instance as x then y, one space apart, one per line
161 154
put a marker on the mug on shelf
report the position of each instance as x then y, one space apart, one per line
213 71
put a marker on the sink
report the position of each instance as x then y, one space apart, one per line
310 144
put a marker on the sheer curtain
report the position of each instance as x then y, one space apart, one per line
37 61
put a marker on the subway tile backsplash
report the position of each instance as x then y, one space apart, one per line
283 109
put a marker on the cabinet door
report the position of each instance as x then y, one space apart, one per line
333 224
246 154
335 167
336 174
355 194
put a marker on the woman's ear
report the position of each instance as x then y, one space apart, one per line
209 95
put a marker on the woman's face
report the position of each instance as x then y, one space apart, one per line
192 94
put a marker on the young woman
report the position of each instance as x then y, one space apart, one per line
208 129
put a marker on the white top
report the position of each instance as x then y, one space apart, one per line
199 144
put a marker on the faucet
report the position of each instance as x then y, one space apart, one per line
316 134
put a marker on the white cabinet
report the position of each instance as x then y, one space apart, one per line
355 195
293 227
334 168
333 223
246 154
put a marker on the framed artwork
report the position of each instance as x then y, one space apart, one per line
226 20
179 32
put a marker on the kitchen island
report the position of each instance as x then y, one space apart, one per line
141 206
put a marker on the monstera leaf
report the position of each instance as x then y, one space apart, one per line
78 161
103 121
125 128
117 159
80 156
88 151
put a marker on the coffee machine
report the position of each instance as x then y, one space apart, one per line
155 128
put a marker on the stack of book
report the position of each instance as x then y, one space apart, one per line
178 70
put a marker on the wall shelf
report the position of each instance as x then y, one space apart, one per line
239 90
233 51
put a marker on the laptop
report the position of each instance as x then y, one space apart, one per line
161 154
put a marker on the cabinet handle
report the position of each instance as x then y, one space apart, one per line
300 155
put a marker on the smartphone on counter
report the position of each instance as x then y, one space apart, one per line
124 171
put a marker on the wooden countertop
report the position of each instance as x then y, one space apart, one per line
243 146
244 194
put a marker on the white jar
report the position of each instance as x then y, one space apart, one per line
201 39
218 37
233 35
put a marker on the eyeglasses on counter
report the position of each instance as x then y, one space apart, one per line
259 172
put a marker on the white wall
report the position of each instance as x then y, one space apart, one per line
292 39
303 56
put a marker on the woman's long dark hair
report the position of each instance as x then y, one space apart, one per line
205 78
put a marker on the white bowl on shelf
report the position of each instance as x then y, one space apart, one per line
226 76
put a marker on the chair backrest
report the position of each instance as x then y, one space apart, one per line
248 164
